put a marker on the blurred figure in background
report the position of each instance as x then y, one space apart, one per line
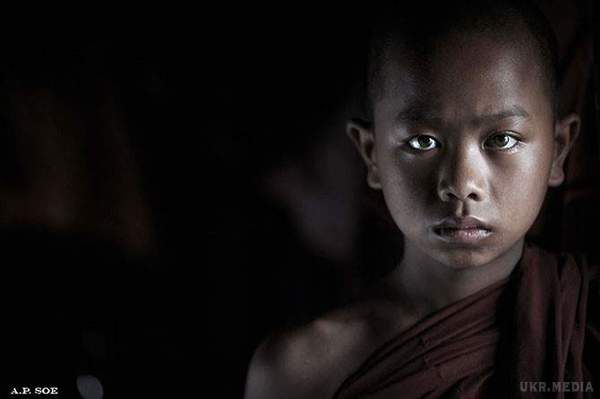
142 169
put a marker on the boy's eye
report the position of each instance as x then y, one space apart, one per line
502 141
423 143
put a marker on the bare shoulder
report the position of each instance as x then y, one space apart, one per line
301 363
313 360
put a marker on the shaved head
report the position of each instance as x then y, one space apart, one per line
413 33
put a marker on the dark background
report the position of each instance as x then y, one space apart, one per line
176 185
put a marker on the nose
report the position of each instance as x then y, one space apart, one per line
462 176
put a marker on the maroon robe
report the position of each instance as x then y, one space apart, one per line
538 326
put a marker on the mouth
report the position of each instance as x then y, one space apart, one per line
462 230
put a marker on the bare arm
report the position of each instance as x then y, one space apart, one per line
281 368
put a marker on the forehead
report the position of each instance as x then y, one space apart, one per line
463 75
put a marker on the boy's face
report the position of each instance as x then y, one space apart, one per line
467 134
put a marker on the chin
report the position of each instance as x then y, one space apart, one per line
463 258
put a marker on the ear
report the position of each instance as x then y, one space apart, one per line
362 135
565 133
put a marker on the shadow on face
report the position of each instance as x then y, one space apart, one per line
464 130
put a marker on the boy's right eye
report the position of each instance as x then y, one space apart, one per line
423 143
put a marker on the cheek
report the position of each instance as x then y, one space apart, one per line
406 188
534 170
520 184
402 173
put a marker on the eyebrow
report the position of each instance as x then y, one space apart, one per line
420 113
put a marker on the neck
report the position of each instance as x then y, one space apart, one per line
427 285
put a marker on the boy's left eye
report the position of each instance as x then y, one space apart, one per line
502 141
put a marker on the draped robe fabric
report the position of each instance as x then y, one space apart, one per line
522 336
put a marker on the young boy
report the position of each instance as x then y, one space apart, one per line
463 139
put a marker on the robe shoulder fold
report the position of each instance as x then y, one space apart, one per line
538 325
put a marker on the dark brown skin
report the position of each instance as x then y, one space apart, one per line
473 93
